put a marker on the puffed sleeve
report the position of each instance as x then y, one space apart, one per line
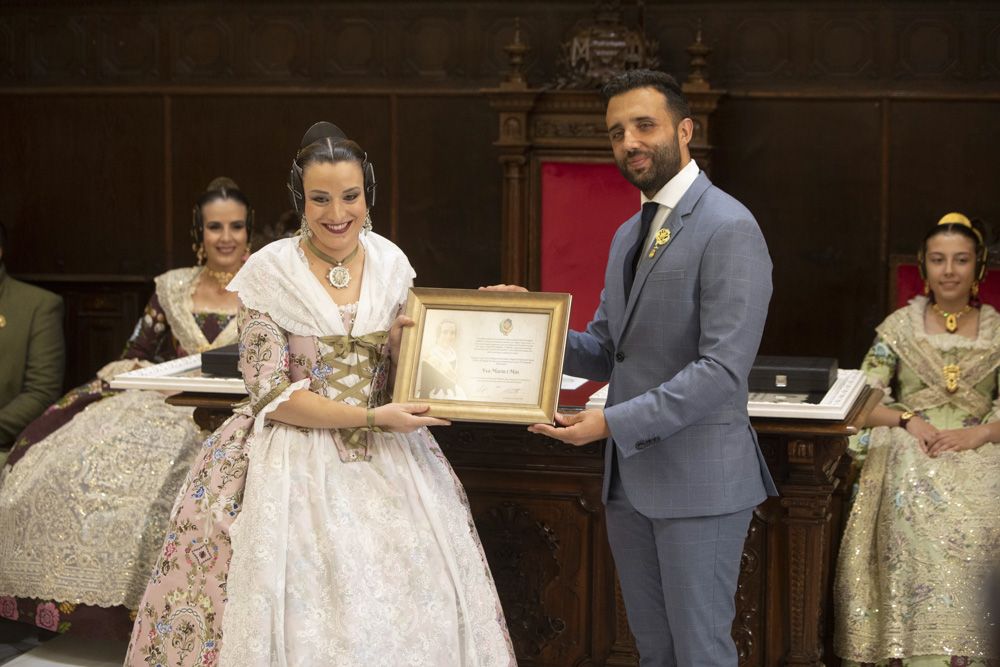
879 367
150 341
264 363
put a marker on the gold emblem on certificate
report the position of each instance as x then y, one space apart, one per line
506 326
662 239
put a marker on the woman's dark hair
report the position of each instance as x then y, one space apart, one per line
634 79
330 150
955 223
974 231
219 188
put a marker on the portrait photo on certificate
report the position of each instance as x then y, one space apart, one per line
484 356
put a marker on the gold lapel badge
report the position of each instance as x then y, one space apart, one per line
3 321
662 239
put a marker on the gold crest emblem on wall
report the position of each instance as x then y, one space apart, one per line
604 46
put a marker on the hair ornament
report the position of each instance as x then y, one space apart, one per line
956 218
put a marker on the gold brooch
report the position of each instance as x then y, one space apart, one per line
951 374
3 321
662 238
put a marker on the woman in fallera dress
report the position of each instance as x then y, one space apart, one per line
923 535
321 524
88 487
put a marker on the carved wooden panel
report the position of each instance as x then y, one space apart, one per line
516 539
821 221
761 46
432 46
7 48
83 181
674 31
990 35
755 43
277 46
57 47
449 219
129 48
356 46
844 46
202 46
928 46
949 177
498 29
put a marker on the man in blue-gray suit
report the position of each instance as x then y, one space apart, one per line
685 297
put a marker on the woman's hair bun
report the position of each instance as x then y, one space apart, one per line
222 183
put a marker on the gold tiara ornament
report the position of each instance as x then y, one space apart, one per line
959 219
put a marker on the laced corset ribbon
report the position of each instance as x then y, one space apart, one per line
355 371
974 364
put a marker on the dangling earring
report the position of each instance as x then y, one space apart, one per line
927 288
199 253
304 228
975 289
367 227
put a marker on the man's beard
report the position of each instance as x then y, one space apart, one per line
665 162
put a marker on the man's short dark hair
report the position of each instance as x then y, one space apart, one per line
632 79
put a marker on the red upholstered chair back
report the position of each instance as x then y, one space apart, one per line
582 204
906 282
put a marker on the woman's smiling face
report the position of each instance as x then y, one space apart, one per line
224 234
335 207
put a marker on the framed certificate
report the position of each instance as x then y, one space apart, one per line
484 356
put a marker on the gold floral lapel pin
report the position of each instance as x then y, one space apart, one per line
662 239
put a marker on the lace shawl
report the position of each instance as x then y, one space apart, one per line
175 289
276 280
903 331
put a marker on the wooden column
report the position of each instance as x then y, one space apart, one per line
513 107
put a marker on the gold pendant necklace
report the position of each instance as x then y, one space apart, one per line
339 276
221 277
951 319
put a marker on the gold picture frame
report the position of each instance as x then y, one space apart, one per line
484 356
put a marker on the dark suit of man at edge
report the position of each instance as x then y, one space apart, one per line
680 319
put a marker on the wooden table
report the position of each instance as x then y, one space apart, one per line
537 506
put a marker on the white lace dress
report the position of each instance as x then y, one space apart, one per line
350 547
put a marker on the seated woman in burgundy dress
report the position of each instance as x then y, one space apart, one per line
89 485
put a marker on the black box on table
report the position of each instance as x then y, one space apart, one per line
793 375
222 361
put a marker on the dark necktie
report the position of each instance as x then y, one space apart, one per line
649 210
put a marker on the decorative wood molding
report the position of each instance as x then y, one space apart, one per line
524 556
899 45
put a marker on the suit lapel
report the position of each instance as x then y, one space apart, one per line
675 223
